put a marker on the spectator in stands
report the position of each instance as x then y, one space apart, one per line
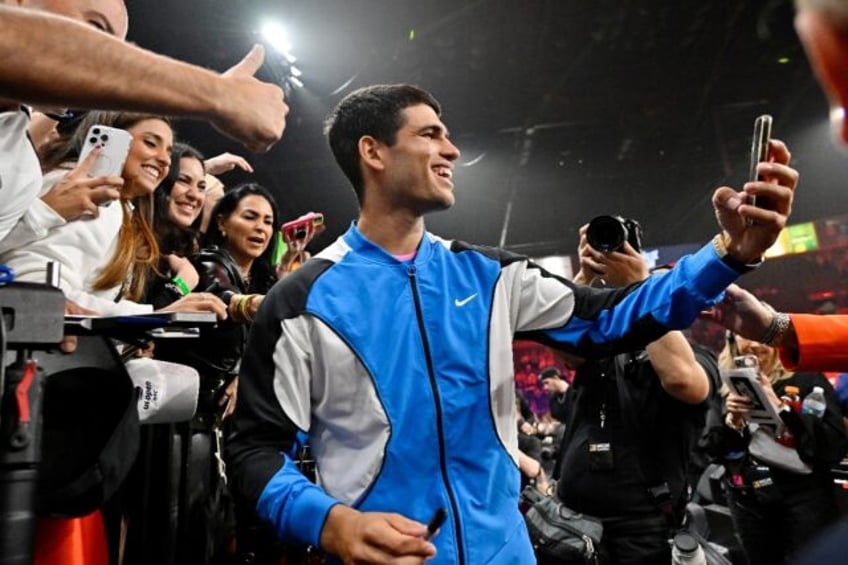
392 350
557 387
48 59
111 256
235 265
779 502
179 203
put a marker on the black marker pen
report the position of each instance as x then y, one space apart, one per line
435 523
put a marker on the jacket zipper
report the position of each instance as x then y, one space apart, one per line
411 271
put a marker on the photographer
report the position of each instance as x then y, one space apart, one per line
631 422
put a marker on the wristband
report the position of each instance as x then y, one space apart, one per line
181 284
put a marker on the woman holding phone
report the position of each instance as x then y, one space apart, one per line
777 505
106 260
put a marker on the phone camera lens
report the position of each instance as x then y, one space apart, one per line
104 138
93 140
95 131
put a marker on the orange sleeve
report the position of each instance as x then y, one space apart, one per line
72 541
822 344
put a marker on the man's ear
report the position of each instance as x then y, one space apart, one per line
826 44
371 153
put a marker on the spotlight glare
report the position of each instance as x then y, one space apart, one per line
296 81
295 71
277 37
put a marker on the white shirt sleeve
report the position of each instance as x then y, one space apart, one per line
34 225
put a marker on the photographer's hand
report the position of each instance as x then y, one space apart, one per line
625 266
591 261
619 268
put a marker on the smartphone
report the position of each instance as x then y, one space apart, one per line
114 144
297 229
746 362
759 148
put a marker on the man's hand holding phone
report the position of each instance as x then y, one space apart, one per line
78 195
749 230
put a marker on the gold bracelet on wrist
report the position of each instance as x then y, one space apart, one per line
243 307
720 246
248 313
236 308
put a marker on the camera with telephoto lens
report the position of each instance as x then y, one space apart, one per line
608 233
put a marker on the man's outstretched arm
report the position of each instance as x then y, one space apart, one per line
50 60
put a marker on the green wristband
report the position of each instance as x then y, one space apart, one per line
181 284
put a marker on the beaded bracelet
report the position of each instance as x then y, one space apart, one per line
181 284
777 329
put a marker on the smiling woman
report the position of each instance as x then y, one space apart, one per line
111 254
178 203
236 265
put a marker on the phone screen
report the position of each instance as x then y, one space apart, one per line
759 147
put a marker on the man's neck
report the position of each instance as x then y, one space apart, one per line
398 232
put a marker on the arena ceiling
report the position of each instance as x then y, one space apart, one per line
563 109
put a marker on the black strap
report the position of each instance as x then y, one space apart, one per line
648 470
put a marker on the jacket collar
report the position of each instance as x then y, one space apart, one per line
373 252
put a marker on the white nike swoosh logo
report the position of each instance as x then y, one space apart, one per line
460 303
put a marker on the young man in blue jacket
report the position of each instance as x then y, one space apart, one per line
391 351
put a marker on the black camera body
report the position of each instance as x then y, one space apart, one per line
608 233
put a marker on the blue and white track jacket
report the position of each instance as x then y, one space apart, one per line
401 375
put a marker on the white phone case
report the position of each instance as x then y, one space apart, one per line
115 144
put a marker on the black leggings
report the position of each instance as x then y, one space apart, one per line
772 530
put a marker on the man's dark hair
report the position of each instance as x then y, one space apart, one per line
549 373
375 111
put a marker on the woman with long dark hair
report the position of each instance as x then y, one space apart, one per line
178 203
236 265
